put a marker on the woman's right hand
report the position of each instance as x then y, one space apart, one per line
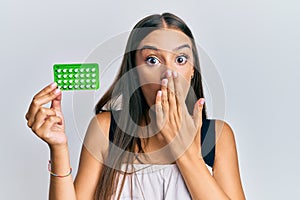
47 123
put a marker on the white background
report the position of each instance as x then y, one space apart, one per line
254 45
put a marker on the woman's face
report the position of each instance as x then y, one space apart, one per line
160 51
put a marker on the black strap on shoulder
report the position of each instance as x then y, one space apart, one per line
112 127
208 141
207 138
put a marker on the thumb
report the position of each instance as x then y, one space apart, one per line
56 103
197 115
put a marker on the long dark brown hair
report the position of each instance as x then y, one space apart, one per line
137 108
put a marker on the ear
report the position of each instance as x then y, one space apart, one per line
193 70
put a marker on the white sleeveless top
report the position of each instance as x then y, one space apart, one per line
154 182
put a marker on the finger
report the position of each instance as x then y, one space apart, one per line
197 114
56 103
158 109
178 94
47 89
44 130
41 116
178 82
164 97
37 102
41 100
175 116
171 90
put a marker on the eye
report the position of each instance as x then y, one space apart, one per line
181 60
151 60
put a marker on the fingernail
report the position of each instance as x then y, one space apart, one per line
201 102
54 85
175 74
57 91
159 93
168 73
164 82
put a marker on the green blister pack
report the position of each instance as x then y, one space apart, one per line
78 76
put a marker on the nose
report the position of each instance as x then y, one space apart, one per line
168 64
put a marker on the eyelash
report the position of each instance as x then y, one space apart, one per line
147 60
186 57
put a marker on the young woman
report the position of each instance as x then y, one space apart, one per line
150 138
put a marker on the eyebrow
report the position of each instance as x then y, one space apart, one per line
181 47
156 49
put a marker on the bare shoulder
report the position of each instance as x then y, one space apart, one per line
225 140
94 146
99 124
224 134
226 166
103 121
96 137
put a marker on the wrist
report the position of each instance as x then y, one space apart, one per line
59 161
191 154
59 153
58 147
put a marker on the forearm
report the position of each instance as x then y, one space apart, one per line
61 188
198 179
